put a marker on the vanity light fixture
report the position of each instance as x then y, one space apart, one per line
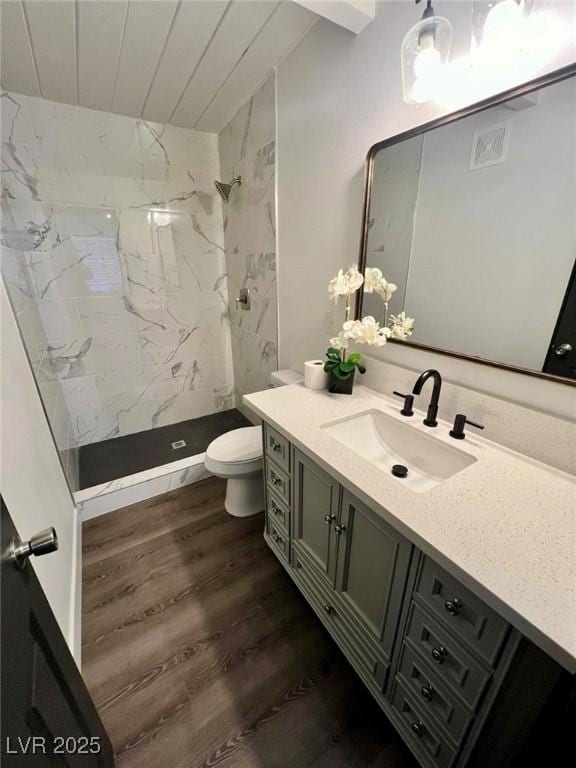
425 49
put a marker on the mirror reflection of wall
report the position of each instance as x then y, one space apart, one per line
475 222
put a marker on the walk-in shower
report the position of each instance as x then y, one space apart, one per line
114 260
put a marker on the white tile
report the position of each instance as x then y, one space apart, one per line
92 355
143 485
202 342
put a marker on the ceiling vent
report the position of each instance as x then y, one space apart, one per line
490 145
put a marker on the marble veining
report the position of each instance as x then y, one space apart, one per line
247 148
114 258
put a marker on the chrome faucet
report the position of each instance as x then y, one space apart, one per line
431 373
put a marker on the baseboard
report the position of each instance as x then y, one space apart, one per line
107 497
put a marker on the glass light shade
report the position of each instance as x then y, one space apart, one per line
425 48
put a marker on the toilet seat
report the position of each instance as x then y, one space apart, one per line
236 453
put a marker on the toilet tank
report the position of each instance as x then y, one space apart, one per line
286 376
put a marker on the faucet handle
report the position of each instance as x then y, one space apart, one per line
407 408
457 431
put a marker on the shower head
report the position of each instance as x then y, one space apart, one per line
224 189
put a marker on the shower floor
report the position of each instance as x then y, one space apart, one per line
121 456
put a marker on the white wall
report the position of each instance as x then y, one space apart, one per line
337 94
32 480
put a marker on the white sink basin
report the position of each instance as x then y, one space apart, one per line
385 441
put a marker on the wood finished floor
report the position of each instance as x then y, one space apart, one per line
199 651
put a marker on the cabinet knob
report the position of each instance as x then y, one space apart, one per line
329 608
276 480
418 728
439 654
453 606
275 445
277 539
276 509
338 529
427 692
329 518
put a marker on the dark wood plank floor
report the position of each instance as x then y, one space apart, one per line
199 651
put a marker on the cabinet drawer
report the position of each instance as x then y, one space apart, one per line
279 540
278 482
425 684
277 448
465 614
278 511
420 730
456 668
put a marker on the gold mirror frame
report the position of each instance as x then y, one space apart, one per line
533 85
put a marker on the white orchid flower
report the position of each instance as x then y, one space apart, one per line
372 279
365 331
345 283
386 289
375 282
401 326
339 342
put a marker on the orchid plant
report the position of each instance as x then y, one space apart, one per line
365 331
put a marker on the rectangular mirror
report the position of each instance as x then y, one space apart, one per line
473 217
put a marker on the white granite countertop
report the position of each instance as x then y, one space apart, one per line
505 526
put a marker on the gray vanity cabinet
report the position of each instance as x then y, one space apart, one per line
459 684
371 569
315 514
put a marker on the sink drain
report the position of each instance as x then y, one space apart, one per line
399 470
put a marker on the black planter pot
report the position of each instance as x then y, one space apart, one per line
341 387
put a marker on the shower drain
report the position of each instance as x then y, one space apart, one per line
178 444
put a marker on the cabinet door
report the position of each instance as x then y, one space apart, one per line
372 567
314 511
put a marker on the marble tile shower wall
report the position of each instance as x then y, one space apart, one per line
113 249
246 148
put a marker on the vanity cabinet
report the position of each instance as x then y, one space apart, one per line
460 685
355 560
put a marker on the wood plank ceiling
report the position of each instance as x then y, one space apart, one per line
191 63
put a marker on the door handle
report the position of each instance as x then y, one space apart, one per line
562 349
40 544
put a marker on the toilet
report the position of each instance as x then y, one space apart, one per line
237 457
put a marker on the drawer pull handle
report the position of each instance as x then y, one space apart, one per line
277 539
275 479
439 654
329 518
275 445
338 529
276 509
427 692
453 606
329 609
418 728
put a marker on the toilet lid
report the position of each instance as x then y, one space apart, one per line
239 445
